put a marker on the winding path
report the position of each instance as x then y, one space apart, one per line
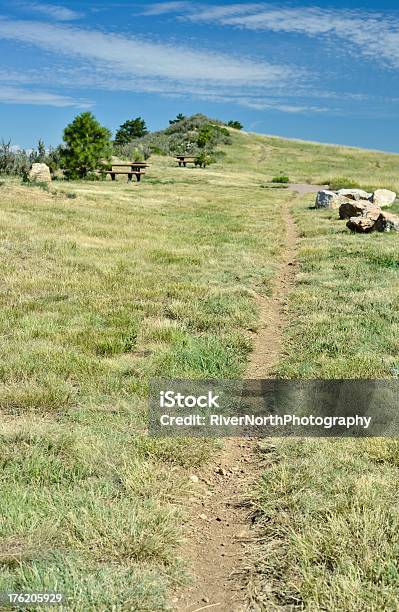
221 531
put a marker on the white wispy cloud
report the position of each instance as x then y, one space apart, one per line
92 59
161 8
374 34
136 56
111 61
16 95
52 11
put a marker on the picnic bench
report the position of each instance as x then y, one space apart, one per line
131 168
183 160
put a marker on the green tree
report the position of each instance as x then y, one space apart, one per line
130 130
41 151
86 143
235 124
179 117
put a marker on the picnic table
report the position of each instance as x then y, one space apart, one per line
131 168
183 160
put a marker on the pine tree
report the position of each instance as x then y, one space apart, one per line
86 144
179 117
130 130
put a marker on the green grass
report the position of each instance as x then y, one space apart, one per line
330 514
101 292
106 285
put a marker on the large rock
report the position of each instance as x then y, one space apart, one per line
383 197
361 224
367 222
387 222
40 173
329 199
355 194
354 208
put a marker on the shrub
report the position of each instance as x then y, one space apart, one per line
13 162
281 179
54 158
235 124
341 182
86 144
133 151
204 159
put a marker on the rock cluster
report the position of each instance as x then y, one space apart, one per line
40 173
361 208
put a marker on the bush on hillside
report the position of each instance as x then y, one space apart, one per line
341 182
133 151
204 159
281 179
187 136
235 124
87 143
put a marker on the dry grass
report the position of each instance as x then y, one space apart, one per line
100 292
106 285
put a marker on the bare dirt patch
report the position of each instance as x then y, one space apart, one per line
222 530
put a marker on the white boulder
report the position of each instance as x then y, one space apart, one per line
355 194
40 173
383 197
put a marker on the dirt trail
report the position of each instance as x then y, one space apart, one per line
221 531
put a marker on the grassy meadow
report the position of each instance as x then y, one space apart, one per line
330 507
106 285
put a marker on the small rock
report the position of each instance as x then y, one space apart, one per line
383 197
205 599
221 471
203 517
194 478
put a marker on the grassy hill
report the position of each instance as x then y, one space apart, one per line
106 285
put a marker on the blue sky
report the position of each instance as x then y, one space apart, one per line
319 71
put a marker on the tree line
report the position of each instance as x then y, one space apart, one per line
87 144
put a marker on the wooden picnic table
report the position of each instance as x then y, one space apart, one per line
183 160
133 168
